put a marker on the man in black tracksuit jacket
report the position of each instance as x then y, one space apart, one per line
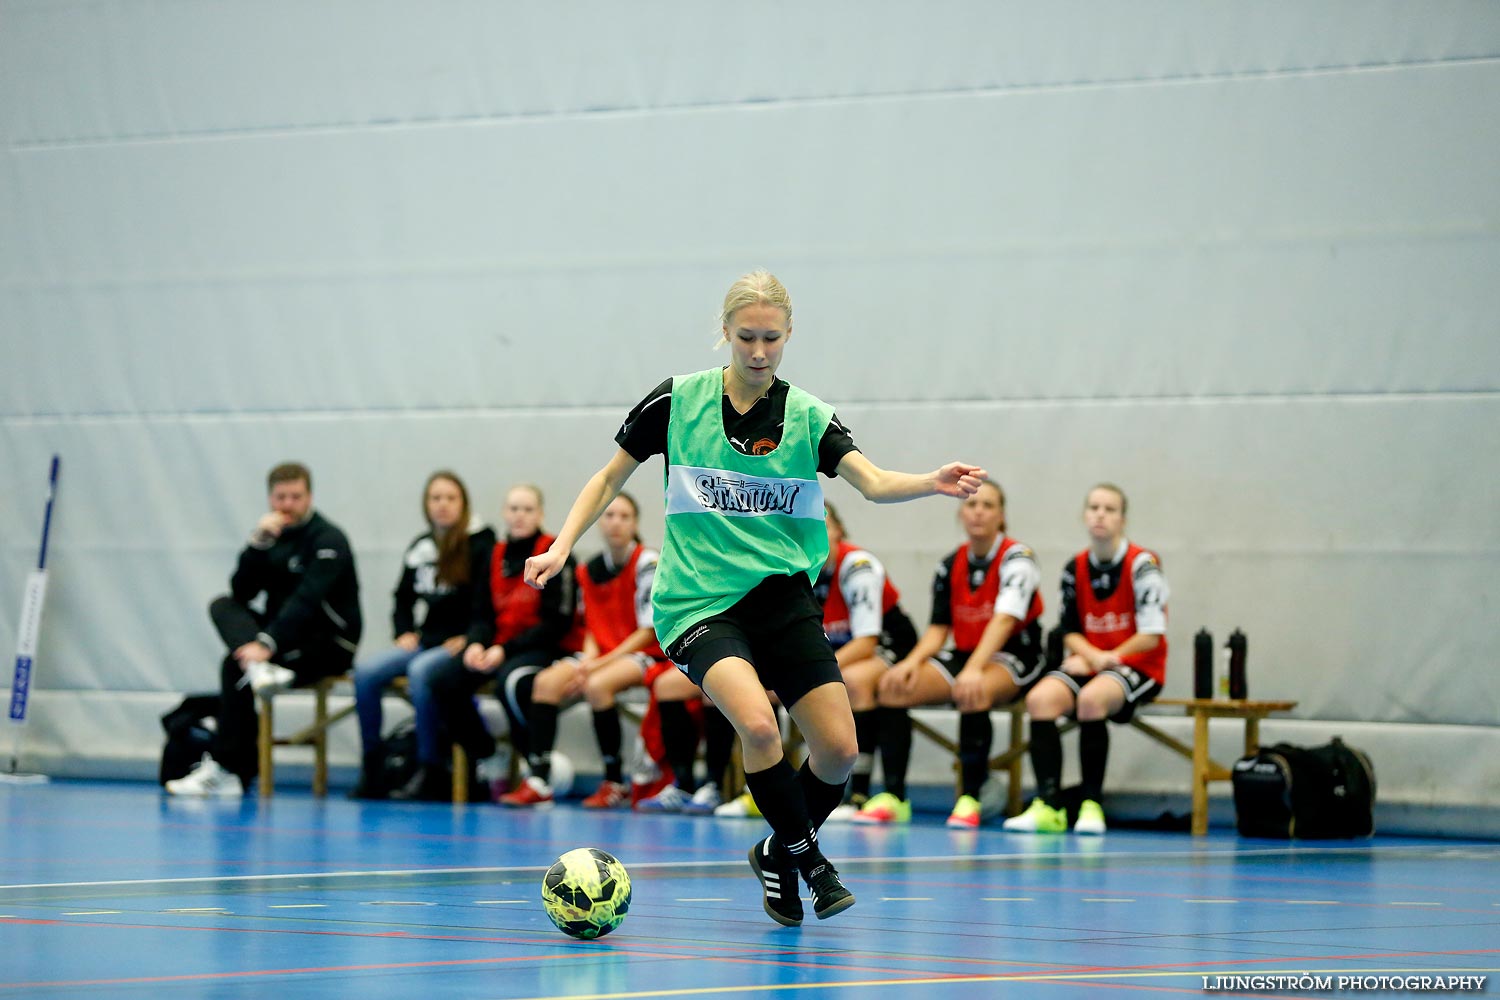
301 562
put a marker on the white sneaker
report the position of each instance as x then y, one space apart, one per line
266 679
207 780
669 800
843 814
704 801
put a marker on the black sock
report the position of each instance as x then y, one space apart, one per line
866 735
607 732
976 732
679 741
780 798
718 743
821 797
543 735
1093 754
895 749
1046 759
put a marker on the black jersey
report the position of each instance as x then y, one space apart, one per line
756 432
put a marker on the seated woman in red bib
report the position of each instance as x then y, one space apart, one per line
984 597
745 538
869 631
619 652
1114 625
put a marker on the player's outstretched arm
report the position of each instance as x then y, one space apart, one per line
596 495
956 479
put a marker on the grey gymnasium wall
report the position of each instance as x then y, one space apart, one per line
1240 258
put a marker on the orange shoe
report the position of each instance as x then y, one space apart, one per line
609 795
533 793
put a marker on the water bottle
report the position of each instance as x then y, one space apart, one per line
1237 689
1203 664
1221 673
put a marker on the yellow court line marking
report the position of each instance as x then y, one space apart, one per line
1193 974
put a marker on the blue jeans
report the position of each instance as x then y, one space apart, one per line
373 676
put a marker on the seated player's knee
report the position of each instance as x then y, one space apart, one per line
1093 707
598 694
548 686
1048 700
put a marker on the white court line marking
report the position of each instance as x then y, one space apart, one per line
1227 852
1105 899
1313 902
1210 900
1006 899
704 899
398 902
88 913
296 906
196 909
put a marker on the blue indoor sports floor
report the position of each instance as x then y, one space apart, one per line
114 890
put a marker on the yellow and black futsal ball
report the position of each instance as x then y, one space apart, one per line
586 893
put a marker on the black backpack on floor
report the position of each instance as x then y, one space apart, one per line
189 735
1310 793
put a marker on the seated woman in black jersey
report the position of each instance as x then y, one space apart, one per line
984 597
514 631
1114 625
869 631
438 571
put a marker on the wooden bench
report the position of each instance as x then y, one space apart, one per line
314 735
1204 768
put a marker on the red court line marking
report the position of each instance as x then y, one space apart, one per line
188 977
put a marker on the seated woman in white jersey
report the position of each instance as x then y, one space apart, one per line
745 538
1114 625
985 599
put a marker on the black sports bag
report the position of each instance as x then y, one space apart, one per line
1306 792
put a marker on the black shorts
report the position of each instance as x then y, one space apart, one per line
1139 688
1022 673
1022 656
777 626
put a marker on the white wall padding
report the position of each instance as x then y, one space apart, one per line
1239 258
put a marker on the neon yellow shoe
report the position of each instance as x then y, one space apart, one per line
965 815
1039 817
1090 818
883 810
741 806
